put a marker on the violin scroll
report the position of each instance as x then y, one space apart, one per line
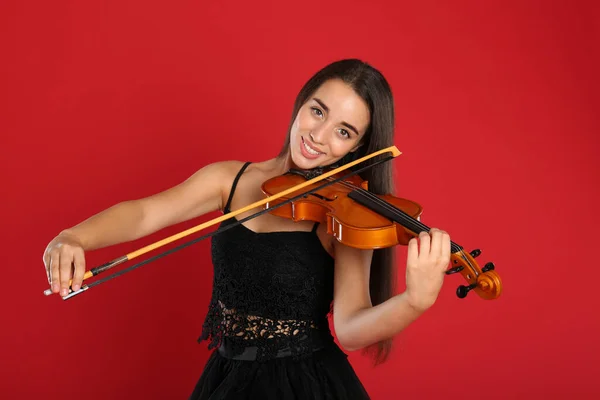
484 281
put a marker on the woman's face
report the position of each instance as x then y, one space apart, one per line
328 126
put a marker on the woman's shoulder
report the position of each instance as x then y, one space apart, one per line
227 170
223 169
223 173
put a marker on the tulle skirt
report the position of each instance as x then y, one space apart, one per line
326 374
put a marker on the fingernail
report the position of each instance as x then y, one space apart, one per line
64 292
55 287
75 287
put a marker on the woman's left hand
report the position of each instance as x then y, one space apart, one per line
427 262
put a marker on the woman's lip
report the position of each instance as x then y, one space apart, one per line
312 147
305 153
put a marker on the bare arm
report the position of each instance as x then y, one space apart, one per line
129 220
357 323
132 219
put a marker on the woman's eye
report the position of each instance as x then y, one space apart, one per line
317 112
345 133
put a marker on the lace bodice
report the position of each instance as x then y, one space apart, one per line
270 290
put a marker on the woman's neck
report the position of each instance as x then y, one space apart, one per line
282 164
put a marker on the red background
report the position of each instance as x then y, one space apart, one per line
497 120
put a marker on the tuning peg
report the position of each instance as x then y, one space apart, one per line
455 270
462 290
488 267
475 253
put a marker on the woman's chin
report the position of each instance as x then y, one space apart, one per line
302 162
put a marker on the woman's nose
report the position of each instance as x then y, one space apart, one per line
319 134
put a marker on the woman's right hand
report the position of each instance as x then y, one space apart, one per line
64 259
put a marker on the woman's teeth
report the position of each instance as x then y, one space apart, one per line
309 150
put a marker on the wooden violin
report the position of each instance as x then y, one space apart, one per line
361 219
354 216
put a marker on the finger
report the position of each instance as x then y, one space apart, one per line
412 252
424 244
446 249
66 261
436 243
46 261
54 271
79 261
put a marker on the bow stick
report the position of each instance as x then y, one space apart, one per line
134 254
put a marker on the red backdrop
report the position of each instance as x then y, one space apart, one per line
497 121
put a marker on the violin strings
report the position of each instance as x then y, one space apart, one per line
407 218
455 247
397 212
387 206
404 216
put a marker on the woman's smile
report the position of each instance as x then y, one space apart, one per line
308 150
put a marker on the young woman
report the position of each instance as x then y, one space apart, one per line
275 280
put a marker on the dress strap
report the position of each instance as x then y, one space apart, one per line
315 226
235 181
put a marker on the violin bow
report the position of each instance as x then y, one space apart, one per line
146 249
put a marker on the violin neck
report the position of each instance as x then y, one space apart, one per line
382 207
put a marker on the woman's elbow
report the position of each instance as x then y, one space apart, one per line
348 341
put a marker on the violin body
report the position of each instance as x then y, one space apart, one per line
358 227
364 220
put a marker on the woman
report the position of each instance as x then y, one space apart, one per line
275 279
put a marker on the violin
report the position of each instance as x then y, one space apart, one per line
364 220
353 215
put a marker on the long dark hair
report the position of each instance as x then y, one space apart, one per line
373 88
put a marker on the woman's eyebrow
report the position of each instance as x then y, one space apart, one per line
321 104
347 125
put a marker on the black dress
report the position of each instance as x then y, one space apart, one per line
267 319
